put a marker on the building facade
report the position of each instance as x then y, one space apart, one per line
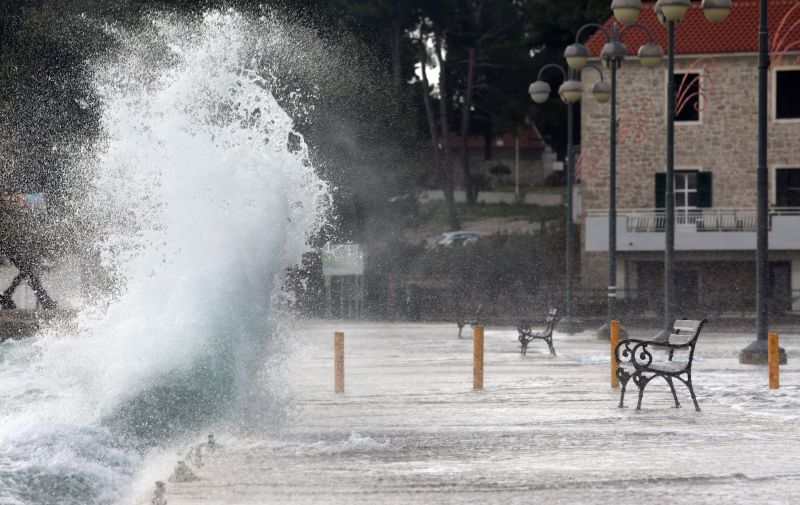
715 167
504 160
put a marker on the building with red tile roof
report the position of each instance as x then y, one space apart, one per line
529 138
694 35
534 155
715 163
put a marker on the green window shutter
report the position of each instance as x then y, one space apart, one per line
661 187
781 188
704 189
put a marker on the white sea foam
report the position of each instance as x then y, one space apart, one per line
202 195
355 443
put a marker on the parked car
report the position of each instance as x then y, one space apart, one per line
458 237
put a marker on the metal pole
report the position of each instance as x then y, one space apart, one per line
328 307
516 167
669 194
612 198
756 352
570 229
762 236
570 323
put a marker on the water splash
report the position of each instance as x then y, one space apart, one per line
201 196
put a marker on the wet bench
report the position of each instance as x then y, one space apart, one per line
644 360
462 320
527 335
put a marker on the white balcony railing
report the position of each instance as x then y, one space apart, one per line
703 220
698 229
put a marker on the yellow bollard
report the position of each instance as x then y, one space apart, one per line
477 357
614 342
338 362
773 358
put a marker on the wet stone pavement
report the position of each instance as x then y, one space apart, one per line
410 430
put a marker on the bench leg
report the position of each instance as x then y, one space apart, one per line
41 295
7 303
622 392
691 392
5 299
672 388
642 383
550 345
639 403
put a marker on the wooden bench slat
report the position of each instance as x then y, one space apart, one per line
661 366
680 339
685 330
686 324
669 366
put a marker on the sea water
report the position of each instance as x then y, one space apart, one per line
200 195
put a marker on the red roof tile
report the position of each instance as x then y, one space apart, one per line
530 138
695 35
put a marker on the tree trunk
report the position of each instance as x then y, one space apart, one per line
445 176
488 134
396 43
469 187
444 123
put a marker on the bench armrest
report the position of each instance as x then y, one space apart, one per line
633 351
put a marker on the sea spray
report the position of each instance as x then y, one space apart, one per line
201 195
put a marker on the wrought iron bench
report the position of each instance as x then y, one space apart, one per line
526 334
462 320
644 360
27 271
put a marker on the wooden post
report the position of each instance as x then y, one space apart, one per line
338 362
773 358
614 342
477 357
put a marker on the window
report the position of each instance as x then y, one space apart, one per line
687 96
787 99
692 190
685 191
787 187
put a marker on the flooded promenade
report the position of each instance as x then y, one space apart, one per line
410 430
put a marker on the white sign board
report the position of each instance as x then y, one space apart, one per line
342 259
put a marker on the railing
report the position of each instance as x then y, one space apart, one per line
639 302
701 220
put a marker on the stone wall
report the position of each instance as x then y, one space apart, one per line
724 141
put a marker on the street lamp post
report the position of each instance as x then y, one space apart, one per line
670 12
669 193
570 92
613 53
756 352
